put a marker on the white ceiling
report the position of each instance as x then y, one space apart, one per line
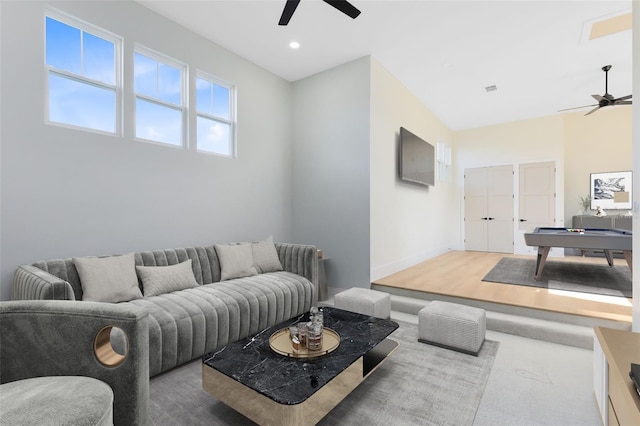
444 52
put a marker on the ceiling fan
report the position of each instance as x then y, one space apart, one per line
342 5
606 99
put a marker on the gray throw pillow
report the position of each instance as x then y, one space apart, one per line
236 260
165 279
110 279
265 256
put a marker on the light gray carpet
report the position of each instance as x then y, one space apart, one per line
418 385
569 276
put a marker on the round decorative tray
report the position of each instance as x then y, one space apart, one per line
281 344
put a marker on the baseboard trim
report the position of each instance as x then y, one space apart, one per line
382 271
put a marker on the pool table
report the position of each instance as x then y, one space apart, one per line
602 239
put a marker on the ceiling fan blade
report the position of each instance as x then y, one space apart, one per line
623 103
599 98
623 98
593 110
583 106
344 7
287 13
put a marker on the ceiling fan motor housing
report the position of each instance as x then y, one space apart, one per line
606 99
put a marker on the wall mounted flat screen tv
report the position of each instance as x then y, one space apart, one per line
417 159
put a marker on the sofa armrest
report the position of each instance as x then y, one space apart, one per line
32 283
73 338
302 260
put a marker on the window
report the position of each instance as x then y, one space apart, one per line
159 85
215 116
82 75
444 162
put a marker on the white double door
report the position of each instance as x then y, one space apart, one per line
489 209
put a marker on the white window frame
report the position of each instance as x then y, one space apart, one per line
444 162
116 87
183 108
232 113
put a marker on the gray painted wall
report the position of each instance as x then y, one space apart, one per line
331 169
72 193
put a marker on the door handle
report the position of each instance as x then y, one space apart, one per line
492 218
484 218
523 220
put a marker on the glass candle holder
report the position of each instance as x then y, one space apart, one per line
314 337
294 337
302 334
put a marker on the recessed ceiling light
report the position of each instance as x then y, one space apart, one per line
294 45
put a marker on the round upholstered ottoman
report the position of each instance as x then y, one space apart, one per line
56 400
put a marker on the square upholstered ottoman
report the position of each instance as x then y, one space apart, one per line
452 326
365 301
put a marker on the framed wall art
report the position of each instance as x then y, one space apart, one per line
611 190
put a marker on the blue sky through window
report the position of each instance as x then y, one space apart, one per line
157 80
63 46
214 136
80 104
84 89
213 101
158 122
79 61
160 82
99 59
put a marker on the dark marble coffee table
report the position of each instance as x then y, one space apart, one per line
273 389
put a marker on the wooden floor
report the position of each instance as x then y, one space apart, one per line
459 274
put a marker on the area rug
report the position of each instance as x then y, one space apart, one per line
418 385
568 276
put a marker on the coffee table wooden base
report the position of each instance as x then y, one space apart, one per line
265 411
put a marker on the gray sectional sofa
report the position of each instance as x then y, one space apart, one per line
212 311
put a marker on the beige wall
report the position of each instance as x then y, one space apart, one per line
579 144
409 223
600 142
515 143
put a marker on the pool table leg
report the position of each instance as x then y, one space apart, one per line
607 254
543 252
627 257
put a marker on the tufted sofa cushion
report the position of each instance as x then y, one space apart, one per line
186 324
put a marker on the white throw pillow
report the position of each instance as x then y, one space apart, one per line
165 279
236 260
108 279
265 256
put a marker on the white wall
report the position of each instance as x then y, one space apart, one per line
527 141
331 169
409 223
72 193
